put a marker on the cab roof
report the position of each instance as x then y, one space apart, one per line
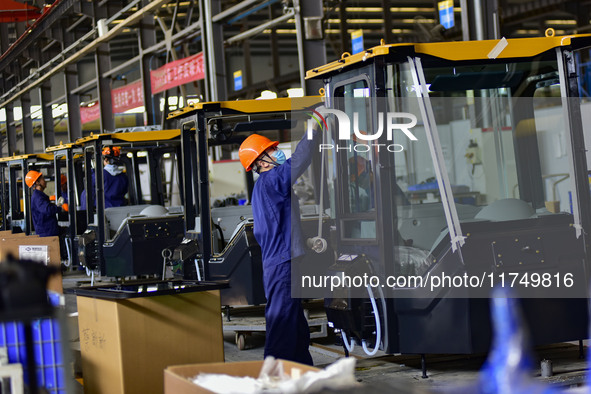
284 104
136 136
458 50
41 156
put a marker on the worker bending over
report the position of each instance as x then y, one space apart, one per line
277 229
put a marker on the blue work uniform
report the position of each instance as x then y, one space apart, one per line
116 184
114 191
276 214
44 214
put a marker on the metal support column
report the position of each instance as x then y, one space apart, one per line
170 53
3 199
387 21
491 12
73 104
102 58
247 59
216 87
27 123
3 47
314 49
72 99
273 44
10 129
345 42
147 39
47 130
481 19
465 15
4 44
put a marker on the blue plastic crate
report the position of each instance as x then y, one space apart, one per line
48 350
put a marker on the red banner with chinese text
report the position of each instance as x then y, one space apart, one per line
90 113
177 73
127 97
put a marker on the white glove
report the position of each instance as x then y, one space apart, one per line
60 201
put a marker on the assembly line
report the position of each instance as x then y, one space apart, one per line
430 206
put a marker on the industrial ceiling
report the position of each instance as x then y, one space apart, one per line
121 41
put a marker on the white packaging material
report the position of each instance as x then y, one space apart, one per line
273 379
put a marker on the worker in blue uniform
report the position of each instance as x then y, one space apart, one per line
43 212
115 182
277 229
64 187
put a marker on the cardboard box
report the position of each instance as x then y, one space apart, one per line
48 249
127 343
177 378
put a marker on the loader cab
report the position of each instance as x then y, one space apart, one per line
16 196
126 238
218 190
463 158
69 169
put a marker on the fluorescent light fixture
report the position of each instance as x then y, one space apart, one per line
411 9
529 32
281 31
420 20
392 9
59 110
369 21
560 22
363 9
295 92
266 95
376 21
368 31
136 110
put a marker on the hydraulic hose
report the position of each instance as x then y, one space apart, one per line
348 346
68 251
378 326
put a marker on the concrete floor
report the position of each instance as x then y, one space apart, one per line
388 373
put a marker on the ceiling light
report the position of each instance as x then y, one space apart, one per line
295 92
419 20
523 31
266 95
364 9
560 22
378 21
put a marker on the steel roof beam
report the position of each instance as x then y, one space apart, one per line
132 19
58 9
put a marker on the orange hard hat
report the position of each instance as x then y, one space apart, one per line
252 148
112 151
32 177
63 179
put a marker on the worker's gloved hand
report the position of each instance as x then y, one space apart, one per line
65 207
60 201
